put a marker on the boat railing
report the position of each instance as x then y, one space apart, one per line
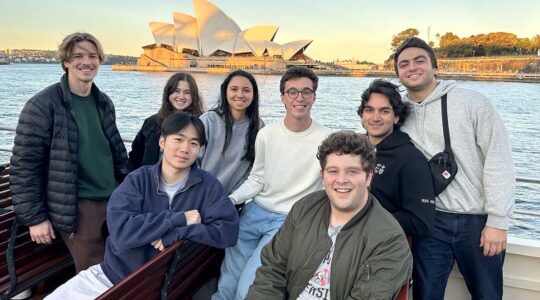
521 178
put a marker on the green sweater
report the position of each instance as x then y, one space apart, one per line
96 170
371 258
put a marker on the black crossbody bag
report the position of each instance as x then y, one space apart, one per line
443 164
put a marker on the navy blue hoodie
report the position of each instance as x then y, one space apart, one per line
138 214
402 183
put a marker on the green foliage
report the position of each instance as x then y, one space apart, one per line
491 44
447 39
402 36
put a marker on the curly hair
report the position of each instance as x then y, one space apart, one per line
391 91
348 142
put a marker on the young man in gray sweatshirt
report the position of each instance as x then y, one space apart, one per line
473 212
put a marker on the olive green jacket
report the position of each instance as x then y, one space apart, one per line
371 258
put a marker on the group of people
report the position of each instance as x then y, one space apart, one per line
325 215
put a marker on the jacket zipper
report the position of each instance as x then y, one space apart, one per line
309 257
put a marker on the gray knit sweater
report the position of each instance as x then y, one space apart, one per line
484 183
230 169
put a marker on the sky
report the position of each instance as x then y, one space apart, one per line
340 29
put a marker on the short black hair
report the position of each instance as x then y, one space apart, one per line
177 121
348 142
298 72
391 91
415 42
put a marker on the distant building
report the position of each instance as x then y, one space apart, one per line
213 39
355 65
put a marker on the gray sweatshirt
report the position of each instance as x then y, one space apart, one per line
230 169
485 180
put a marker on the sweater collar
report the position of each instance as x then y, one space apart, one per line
64 86
194 175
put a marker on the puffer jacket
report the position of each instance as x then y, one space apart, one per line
44 166
145 147
371 257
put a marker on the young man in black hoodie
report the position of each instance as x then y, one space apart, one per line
402 179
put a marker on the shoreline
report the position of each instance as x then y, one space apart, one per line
476 76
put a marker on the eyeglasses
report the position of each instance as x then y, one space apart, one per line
293 93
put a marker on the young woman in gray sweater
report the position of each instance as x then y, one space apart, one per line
231 129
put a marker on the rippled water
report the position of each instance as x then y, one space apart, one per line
137 95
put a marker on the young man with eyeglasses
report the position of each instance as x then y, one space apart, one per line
285 170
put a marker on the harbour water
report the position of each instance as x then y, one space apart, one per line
138 95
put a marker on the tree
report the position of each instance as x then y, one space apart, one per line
535 43
448 39
523 46
402 36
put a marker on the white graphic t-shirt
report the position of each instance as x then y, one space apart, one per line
318 286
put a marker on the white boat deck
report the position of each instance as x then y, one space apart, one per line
521 273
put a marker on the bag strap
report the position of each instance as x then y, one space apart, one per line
447 147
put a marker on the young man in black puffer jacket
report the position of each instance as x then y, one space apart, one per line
68 156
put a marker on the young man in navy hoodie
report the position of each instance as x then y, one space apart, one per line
156 206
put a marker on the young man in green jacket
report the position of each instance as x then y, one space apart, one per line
339 243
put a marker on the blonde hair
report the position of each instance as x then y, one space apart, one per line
66 47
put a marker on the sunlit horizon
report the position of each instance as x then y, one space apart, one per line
360 30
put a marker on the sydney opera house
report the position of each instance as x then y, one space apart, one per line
212 40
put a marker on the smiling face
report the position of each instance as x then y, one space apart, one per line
180 98
346 183
378 118
298 108
83 63
180 150
416 72
239 96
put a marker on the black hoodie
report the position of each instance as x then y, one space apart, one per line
402 183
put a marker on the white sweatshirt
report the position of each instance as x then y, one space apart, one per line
285 168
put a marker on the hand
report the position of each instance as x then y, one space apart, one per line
192 217
42 233
158 244
493 240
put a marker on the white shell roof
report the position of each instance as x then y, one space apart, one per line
163 33
242 46
212 30
261 32
186 32
215 27
291 48
259 47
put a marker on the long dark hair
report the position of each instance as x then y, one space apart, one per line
197 106
252 113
